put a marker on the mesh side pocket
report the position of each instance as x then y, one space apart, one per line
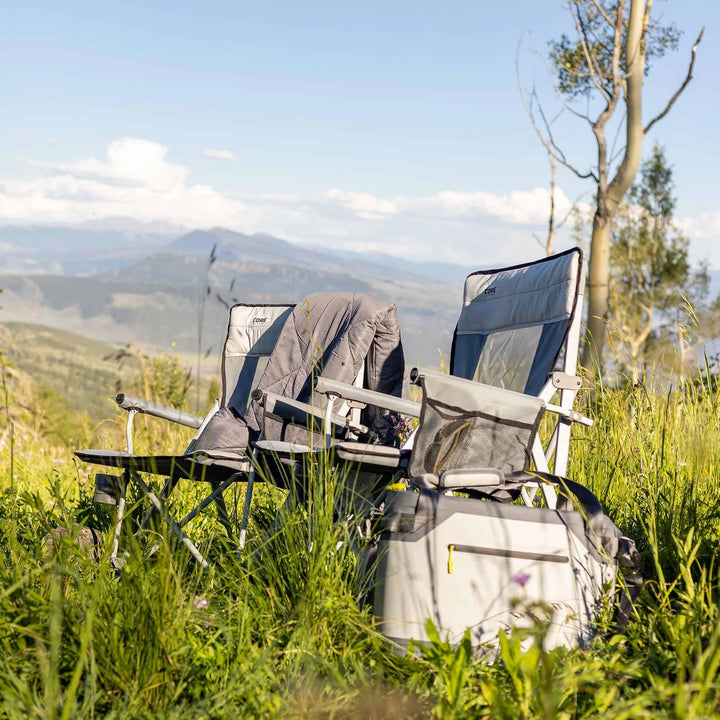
450 438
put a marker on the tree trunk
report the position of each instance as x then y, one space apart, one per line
609 196
598 279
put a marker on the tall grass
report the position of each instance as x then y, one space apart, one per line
280 632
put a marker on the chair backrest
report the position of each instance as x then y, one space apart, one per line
253 331
515 322
336 335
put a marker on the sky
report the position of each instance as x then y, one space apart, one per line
394 127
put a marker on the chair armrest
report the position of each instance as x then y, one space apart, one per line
469 478
570 415
567 413
304 414
355 394
136 404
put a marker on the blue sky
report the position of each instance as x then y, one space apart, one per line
394 127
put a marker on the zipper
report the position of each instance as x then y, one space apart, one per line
498 552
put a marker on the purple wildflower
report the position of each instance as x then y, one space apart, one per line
520 578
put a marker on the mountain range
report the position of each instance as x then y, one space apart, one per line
121 281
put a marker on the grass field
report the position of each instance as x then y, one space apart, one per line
279 633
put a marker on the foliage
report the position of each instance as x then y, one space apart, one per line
652 285
164 380
599 78
579 65
279 633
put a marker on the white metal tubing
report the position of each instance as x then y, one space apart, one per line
122 484
129 432
538 455
327 422
567 397
569 413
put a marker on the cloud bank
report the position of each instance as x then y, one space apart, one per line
135 179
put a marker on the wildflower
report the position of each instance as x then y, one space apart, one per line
520 578
200 603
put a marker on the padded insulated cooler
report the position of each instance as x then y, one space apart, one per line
485 566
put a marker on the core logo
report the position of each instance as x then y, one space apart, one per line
489 291
260 320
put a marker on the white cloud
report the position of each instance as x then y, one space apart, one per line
136 180
704 233
219 154
522 207
364 205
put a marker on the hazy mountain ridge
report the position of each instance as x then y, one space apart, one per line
132 285
104 245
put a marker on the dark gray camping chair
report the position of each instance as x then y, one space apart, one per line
278 349
519 329
252 334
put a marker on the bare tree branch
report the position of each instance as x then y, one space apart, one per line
557 151
548 140
556 88
601 10
679 91
595 73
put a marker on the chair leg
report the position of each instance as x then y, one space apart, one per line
219 489
174 526
221 508
167 488
246 511
122 486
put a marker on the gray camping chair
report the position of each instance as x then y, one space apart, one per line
519 330
369 353
275 349
252 334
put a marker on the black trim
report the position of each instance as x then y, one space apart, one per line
518 554
527 264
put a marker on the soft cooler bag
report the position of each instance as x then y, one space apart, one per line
474 564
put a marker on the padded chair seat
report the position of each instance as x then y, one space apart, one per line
285 450
191 467
373 456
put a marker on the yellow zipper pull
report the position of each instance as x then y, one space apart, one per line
451 565
395 487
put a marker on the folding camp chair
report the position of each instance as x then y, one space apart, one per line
277 348
519 329
369 351
464 562
252 334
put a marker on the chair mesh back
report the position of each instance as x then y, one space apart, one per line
253 331
470 425
515 321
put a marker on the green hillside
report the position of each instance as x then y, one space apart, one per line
79 369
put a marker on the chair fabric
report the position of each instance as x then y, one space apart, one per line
470 425
514 322
330 334
253 331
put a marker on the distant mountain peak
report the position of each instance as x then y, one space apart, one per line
130 226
